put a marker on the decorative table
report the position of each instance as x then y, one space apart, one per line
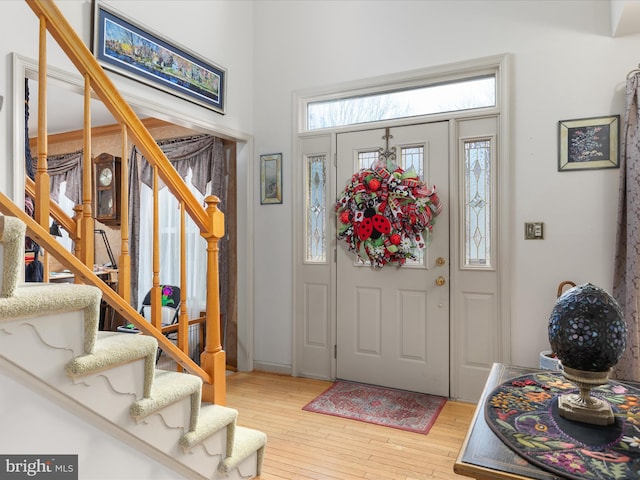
519 408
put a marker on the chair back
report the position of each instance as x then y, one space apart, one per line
170 300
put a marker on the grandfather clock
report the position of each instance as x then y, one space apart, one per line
106 175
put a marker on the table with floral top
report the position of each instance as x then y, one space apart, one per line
514 397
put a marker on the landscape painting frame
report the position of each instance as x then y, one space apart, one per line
126 47
271 179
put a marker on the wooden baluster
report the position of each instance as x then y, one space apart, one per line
41 201
213 359
124 261
183 319
88 223
156 299
77 218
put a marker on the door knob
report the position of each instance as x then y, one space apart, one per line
440 261
440 281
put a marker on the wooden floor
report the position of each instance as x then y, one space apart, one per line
303 445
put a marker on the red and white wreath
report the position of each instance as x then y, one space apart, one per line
385 214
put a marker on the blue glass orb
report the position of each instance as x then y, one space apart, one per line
587 330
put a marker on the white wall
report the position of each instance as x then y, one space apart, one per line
565 65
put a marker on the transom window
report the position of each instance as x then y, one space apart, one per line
459 95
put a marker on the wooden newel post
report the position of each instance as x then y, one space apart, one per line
213 360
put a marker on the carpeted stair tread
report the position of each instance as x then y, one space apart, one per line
246 442
55 298
212 418
12 232
114 349
52 298
168 388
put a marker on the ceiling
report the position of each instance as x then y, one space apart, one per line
625 17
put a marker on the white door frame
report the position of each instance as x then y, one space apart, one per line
459 371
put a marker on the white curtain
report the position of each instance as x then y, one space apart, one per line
169 222
67 207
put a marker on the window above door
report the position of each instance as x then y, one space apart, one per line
393 102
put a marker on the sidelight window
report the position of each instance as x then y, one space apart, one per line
477 202
316 193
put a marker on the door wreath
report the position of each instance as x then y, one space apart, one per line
386 213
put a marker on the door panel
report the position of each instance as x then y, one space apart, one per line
393 322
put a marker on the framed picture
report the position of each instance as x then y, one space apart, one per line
588 143
271 178
128 48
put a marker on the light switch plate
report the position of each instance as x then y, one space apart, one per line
533 231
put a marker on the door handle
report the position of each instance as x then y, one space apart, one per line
440 281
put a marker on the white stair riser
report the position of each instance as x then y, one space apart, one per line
25 343
177 415
110 393
56 330
216 443
99 395
247 469
127 378
147 429
201 456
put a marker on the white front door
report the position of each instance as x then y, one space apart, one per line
393 322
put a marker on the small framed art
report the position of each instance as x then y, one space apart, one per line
271 178
588 143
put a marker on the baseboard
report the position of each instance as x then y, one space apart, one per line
272 368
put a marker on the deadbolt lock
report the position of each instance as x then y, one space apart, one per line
440 261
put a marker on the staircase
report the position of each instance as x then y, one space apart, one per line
49 334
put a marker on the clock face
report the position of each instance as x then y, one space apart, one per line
105 177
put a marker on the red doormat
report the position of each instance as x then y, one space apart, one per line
414 412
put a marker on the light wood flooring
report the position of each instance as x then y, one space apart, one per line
303 445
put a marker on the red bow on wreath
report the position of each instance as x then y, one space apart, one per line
383 212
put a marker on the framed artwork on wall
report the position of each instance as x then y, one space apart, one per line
588 143
133 50
271 178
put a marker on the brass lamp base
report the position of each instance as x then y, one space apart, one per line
583 407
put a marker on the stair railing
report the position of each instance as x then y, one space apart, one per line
209 220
